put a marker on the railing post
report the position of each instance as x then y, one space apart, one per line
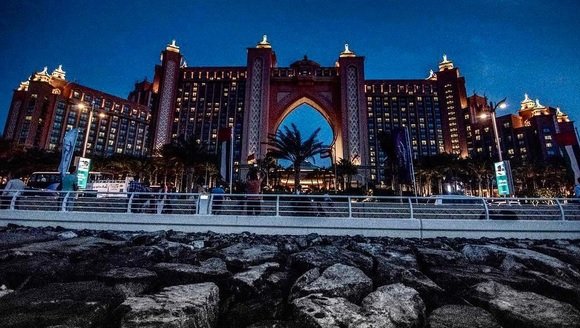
130 202
486 208
13 200
411 208
277 205
562 214
349 207
64 201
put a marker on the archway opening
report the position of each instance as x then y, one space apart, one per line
317 173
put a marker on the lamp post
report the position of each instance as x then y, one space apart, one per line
501 104
89 121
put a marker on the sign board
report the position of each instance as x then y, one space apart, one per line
83 168
503 176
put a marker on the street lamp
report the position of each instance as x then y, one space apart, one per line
89 122
501 104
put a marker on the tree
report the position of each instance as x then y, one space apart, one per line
191 159
287 144
346 169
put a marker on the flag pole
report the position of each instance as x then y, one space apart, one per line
231 159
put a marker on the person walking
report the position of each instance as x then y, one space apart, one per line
253 189
10 190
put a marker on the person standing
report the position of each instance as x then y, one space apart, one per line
139 198
70 180
217 199
253 189
11 189
577 189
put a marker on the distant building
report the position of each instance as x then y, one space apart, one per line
253 100
46 105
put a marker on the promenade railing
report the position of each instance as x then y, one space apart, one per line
288 205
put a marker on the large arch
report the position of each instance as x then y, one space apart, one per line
279 114
337 93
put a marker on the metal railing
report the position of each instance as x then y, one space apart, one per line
284 205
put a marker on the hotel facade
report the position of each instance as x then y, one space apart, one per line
253 100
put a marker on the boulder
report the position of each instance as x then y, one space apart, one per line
255 274
517 309
14 239
213 270
242 255
493 255
194 305
326 256
29 270
461 316
402 306
338 280
388 273
77 304
129 281
319 311
67 235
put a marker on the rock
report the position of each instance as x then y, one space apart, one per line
338 280
493 255
326 256
430 257
255 274
70 247
29 270
241 255
177 306
400 304
523 309
78 304
316 310
555 287
213 270
388 273
304 280
14 239
456 279
67 235
461 316
130 281
4 291
274 324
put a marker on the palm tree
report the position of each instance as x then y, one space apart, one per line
191 159
346 169
287 144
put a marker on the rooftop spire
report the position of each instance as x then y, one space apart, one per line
347 52
172 47
445 64
264 43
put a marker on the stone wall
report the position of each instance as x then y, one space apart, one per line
52 277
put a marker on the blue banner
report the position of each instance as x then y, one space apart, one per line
68 148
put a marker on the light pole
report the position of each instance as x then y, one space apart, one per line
501 104
88 128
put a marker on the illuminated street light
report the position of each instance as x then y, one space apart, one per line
89 122
492 108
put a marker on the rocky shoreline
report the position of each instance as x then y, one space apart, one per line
52 277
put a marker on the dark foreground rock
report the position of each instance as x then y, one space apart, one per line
52 277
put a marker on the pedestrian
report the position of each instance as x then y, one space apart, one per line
577 189
10 190
218 197
137 191
253 190
70 181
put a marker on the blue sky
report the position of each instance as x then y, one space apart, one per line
503 48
